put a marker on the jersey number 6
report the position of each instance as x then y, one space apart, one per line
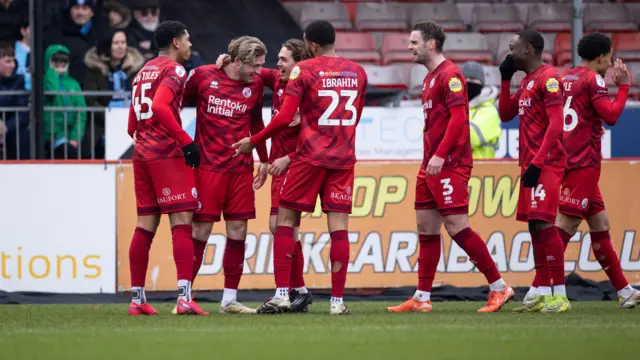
335 100
568 111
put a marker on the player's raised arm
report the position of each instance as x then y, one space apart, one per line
508 107
553 107
610 111
280 121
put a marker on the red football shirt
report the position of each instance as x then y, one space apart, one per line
331 92
285 142
153 141
226 111
444 88
582 136
538 90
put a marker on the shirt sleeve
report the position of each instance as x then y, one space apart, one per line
173 78
190 95
597 88
551 88
455 89
298 82
269 77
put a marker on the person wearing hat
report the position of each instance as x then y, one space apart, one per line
484 120
146 17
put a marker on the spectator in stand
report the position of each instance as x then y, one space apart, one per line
11 14
79 31
23 51
63 130
16 124
119 15
112 66
484 120
146 17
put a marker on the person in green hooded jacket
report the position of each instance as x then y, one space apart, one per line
62 129
484 119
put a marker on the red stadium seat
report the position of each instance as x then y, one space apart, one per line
357 46
336 13
385 77
608 17
445 13
395 48
562 49
497 18
381 17
550 17
626 46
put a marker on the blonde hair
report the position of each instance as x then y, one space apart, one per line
246 49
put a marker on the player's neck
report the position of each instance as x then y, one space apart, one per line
434 62
589 66
533 66
328 53
168 54
232 71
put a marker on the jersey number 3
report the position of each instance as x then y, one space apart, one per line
138 101
568 111
335 100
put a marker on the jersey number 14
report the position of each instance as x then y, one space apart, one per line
351 96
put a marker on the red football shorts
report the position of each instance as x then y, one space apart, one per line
541 202
228 193
276 188
448 191
164 186
580 195
304 182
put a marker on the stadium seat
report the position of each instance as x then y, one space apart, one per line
381 17
445 13
562 49
627 46
497 18
608 17
357 46
417 74
460 47
492 75
550 17
336 13
387 77
395 48
634 68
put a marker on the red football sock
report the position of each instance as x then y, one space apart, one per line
283 252
555 254
543 274
233 263
139 256
565 236
183 251
339 257
198 254
297 267
608 259
477 250
428 261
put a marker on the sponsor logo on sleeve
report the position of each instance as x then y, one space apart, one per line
553 85
455 85
294 73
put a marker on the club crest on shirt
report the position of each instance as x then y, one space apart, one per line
433 82
553 85
294 73
455 85
600 81
530 85
180 71
280 92
194 193
246 92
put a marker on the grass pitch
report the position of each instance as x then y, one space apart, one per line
593 330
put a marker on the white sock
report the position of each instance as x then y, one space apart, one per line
184 290
498 285
229 295
624 292
544 290
281 293
302 290
422 295
533 290
337 300
137 295
559 290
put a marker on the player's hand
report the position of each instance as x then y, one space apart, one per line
435 165
243 146
261 176
223 60
279 166
621 74
135 137
191 155
507 68
296 119
531 176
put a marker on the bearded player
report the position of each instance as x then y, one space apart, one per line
442 195
330 92
229 108
164 183
283 147
542 159
586 105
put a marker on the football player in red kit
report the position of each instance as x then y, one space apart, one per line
442 195
542 159
330 92
283 147
164 184
586 105
229 108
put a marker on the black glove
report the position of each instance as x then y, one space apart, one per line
191 155
507 68
531 176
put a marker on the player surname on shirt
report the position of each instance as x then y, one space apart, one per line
340 82
224 107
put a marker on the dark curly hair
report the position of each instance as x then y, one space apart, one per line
594 45
167 31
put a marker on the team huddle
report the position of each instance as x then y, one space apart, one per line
318 98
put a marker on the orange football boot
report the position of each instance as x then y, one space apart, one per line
411 305
189 308
497 299
142 309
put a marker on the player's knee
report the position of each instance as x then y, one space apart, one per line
537 225
427 222
202 230
148 222
569 224
455 223
599 223
181 218
286 217
272 224
237 229
337 221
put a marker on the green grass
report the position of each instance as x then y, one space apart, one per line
593 330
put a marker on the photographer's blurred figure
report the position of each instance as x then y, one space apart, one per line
484 119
